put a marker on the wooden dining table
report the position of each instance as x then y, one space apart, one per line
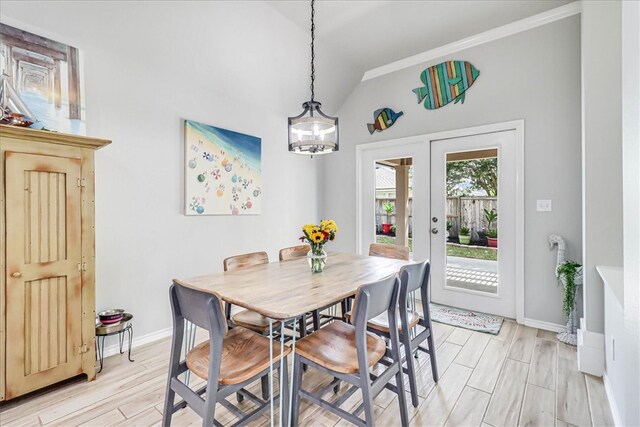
284 291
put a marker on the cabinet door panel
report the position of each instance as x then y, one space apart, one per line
44 311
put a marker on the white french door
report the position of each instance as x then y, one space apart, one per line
416 148
429 153
457 279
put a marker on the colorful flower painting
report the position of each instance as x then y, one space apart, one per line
223 171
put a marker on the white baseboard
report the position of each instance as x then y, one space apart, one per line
114 348
541 324
615 413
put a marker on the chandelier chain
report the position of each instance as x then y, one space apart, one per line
313 53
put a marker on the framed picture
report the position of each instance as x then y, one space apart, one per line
45 76
223 171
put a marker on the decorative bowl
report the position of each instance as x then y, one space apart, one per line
17 119
111 316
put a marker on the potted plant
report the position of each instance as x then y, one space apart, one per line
464 235
492 238
492 233
569 274
388 208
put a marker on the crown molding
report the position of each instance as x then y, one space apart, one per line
497 33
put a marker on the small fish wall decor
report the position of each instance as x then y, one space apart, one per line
382 119
446 82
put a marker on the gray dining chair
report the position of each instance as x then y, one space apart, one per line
413 277
228 361
348 352
382 250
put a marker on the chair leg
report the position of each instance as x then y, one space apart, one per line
316 320
397 358
402 400
284 394
209 408
227 311
297 384
367 400
167 413
432 355
302 324
411 370
343 309
264 384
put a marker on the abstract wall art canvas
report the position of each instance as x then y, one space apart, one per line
44 75
223 171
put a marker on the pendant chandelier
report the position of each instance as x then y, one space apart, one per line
313 132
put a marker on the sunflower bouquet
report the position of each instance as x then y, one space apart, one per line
317 236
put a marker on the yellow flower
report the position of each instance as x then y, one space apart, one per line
317 237
330 226
309 229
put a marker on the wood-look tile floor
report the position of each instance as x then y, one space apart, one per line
522 376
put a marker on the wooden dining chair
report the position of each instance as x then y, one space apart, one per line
348 352
247 318
294 252
413 277
389 251
228 361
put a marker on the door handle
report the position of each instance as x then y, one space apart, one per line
16 274
434 230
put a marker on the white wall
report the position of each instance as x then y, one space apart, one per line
535 76
631 200
601 150
237 65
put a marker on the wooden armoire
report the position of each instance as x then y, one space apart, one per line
47 258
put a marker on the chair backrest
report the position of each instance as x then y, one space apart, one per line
200 308
245 260
389 251
294 252
375 298
414 277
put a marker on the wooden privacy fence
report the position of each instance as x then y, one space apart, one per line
461 211
469 211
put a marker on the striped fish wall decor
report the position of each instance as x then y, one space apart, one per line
445 82
382 119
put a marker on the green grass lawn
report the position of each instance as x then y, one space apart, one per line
478 253
460 251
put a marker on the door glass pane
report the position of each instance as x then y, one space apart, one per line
472 220
394 202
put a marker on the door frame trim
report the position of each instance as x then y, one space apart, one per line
515 125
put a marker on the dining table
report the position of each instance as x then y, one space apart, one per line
286 290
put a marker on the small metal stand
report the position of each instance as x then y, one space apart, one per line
103 331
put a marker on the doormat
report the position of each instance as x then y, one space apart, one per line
473 320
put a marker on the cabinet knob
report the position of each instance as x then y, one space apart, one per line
16 274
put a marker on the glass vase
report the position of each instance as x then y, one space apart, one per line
317 260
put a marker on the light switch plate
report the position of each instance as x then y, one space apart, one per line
543 205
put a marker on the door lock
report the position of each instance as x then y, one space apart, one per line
434 219
434 230
16 274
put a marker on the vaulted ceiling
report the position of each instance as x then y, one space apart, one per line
375 33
